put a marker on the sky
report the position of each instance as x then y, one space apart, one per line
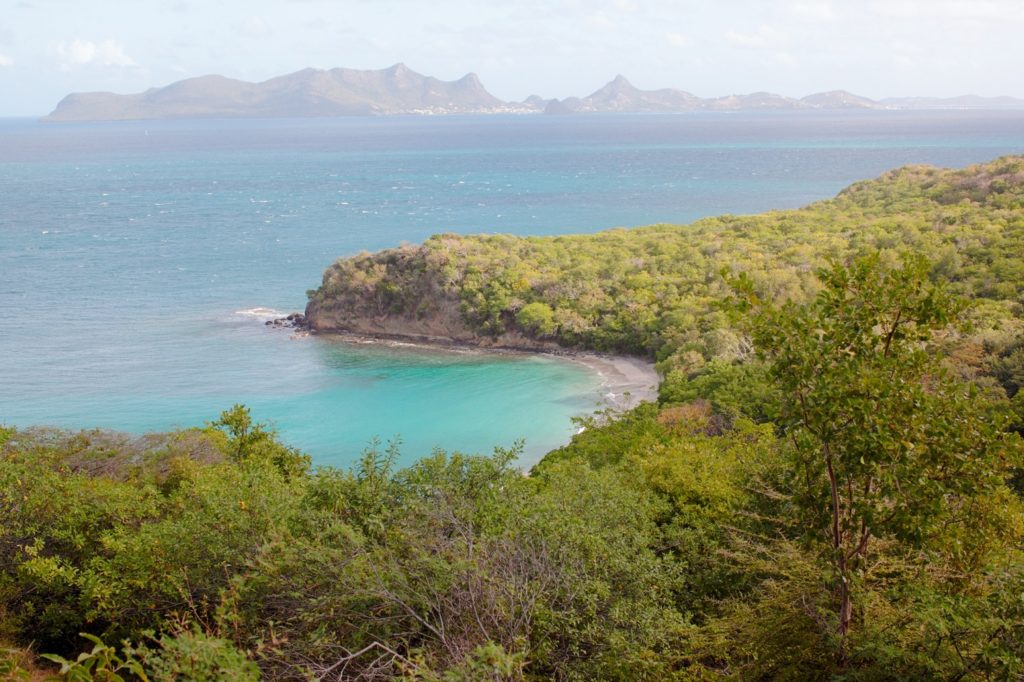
553 48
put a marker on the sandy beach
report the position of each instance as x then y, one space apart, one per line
627 381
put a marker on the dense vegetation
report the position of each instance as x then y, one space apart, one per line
654 290
829 488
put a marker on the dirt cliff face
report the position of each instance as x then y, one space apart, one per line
389 293
444 325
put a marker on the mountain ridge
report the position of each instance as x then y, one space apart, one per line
399 90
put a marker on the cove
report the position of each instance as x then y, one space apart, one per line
128 249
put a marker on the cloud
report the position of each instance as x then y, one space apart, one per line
764 36
814 10
5 60
787 58
989 11
676 39
601 20
80 52
254 27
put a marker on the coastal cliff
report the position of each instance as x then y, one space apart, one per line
403 293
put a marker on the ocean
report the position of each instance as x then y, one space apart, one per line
135 257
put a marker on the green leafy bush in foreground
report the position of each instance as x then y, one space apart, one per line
436 569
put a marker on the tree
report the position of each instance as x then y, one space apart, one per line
537 318
248 441
884 443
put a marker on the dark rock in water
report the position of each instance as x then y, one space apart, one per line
291 321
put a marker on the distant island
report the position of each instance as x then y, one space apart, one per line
399 90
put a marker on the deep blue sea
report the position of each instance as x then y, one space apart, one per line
132 254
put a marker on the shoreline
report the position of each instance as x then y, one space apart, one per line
626 380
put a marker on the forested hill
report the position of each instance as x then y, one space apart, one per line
653 290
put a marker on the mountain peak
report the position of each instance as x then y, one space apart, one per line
401 72
615 88
620 84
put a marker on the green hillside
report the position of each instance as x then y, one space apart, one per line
655 290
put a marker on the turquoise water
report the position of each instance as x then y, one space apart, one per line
129 252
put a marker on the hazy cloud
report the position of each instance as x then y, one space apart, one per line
80 52
786 58
602 21
764 36
5 60
676 39
814 10
990 11
254 27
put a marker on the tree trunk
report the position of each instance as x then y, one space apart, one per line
845 607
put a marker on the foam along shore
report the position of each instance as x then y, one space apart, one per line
626 381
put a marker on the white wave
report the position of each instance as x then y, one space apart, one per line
261 313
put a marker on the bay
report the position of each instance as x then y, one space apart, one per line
132 254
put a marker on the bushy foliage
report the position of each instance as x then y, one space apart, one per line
103 663
197 657
93 550
537 318
452 567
